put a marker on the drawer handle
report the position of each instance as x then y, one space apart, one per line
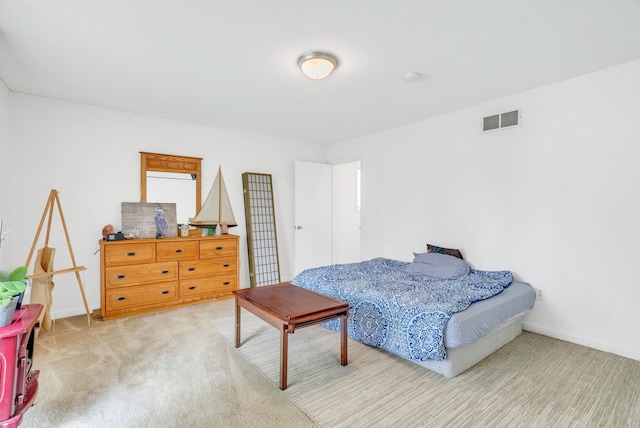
131 254
218 248
193 287
164 272
226 283
226 265
191 269
166 292
178 251
121 276
121 299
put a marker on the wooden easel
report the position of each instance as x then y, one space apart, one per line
48 210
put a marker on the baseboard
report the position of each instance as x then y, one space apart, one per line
581 341
75 312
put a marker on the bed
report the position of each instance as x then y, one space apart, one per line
436 311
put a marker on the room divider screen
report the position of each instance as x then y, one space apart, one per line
262 242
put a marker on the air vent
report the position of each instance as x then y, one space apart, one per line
500 121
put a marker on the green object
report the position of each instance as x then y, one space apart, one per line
11 284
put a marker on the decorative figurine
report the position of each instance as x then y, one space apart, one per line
162 227
106 230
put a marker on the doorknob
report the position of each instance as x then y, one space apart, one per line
298 227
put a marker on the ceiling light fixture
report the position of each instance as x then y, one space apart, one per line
412 76
317 65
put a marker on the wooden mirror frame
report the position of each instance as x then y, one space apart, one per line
170 163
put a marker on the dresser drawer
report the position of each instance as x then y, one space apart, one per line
129 253
218 247
206 267
177 250
207 285
122 276
139 295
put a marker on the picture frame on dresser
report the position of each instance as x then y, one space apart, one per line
149 220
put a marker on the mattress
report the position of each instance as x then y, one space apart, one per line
484 316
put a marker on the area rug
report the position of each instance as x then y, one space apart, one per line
521 385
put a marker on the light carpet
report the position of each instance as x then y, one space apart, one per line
167 369
534 381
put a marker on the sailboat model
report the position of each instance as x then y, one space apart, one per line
216 209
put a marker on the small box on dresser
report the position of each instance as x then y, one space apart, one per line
147 275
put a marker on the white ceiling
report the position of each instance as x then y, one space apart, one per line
233 64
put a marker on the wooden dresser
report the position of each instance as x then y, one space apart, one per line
147 275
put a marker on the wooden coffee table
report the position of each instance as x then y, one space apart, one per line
287 307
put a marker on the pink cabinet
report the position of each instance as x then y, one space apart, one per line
18 383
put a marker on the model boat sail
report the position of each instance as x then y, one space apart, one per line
216 209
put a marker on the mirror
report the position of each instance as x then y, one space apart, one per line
173 187
175 179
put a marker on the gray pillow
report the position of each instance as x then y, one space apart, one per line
438 265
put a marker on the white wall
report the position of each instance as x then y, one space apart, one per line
91 155
557 200
4 173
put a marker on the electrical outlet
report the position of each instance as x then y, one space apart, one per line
539 295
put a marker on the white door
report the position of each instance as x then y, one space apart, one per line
345 213
312 215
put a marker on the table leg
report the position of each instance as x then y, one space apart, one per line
343 340
284 349
237 323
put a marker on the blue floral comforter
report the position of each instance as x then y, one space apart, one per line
401 312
